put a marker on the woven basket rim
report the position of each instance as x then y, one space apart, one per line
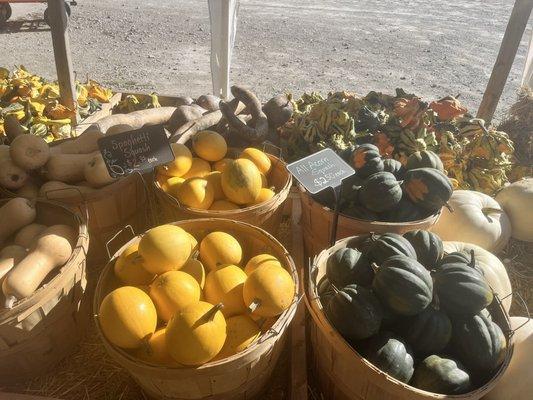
278 328
41 295
430 218
274 202
319 318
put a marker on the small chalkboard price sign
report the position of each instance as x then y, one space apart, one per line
321 170
139 150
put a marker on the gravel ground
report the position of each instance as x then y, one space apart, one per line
298 45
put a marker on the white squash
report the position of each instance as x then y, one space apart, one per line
476 218
517 201
517 381
493 269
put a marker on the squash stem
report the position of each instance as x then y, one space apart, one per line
375 267
10 302
211 313
472 259
449 207
254 305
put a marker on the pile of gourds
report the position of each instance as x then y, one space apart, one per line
31 103
386 190
186 303
474 156
29 251
419 314
213 181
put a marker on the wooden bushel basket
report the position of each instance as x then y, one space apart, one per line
267 215
44 328
344 375
318 219
239 377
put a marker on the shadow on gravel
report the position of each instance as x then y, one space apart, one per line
35 25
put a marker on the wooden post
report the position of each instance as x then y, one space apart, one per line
511 40
61 43
527 77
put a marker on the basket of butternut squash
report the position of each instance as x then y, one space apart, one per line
43 247
198 309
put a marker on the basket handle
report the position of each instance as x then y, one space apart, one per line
526 308
107 244
278 149
82 208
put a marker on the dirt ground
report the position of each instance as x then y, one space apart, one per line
432 48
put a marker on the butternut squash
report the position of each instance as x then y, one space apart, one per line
67 168
11 175
52 250
30 190
55 190
86 143
15 214
29 152
27 235
96 173
9 257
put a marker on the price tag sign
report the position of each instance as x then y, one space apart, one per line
320 170
139 150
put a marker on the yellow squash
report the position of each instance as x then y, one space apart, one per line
241 332
260 159
268 291
165 248
155 350
129 267
196 334
199 169
241 181
214 178
221 165
173 291
219 248
261 259
265 194
182 161
224 285
209 145
196 193
223 205
127 317
172 185
196 269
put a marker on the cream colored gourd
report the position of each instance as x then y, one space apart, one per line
14 215
55 190
67 168
30 190
517 380
96 173
517 201
476 218
52 250
86 143
9 257
493 269
11 175
29 152
27 235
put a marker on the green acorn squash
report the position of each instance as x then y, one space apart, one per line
424 159
428 188
428 332
390 354
428 247
380 192
389 244
461 289
360 212
405 211
366 160
325 291
441 375
347 266
479 343
394 167
355 312
403 284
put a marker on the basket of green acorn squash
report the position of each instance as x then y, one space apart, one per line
384 195
396 318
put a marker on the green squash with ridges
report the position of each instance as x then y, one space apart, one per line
428 332
428 188
380 192
441 375
347 266
388 245
428 247
424 159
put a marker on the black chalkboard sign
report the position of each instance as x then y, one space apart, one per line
320 170
139 150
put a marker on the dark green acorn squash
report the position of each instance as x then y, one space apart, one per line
366 160
325 291
380 192
347 266
424 159
355 312
478 342
390 354
461 289
394 167
403 284
405 211
428 246
428 188
456 257
360 212
441 375
428 332
390 244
